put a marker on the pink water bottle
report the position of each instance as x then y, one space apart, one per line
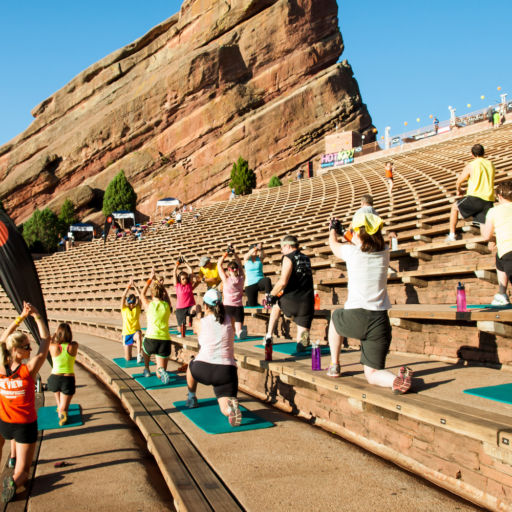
461 298
316 359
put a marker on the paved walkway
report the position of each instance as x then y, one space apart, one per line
295 466
106 464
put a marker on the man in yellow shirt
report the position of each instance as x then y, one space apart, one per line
209 272
479 198
498 223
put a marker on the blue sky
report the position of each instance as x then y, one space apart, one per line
411 58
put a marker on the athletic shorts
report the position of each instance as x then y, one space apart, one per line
505 264
64 384
181 315
236 312
223 377
25 433
160 348
471 206
302 310
371 327
128 339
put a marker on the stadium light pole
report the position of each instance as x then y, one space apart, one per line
386 137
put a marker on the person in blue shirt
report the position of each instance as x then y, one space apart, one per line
255 280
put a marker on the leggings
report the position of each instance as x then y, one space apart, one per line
264 284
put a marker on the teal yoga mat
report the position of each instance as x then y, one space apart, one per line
501 393
48 419
153 382
123 363
173 330
249 338
207 417
289 349
484 306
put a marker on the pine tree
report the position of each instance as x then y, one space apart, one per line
119 195
243 179
274 182
41 231
67 216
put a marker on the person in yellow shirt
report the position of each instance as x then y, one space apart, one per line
479 198
498 223
130 312
209 272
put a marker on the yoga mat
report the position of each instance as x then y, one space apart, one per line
289 349
123 363
484 306
249 338
48 419
207 417
501 393
154 382
173 330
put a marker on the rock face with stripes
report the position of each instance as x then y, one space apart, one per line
219 80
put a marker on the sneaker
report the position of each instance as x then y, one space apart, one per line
140 358
11 463
333 370
191 402
163 375
304 342
146 373
500 299
235 415
403 382
450 237
9 490
63 418
243 333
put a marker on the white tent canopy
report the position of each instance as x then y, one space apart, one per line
123 214
81 227
168 201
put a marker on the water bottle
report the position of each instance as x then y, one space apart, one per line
461 298
316 361
183 330
268 350
394 243
317 301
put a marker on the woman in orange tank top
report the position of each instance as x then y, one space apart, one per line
18 417
389 175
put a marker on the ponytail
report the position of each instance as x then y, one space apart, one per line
5 356
219 312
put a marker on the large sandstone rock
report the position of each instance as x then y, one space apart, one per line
176 108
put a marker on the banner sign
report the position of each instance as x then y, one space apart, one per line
337 159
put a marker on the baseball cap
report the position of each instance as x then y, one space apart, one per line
131 299
204 261
212 297
371 222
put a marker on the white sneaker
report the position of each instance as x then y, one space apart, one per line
140 358
450 237
235 414
500 299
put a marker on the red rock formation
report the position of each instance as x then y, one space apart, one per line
176 108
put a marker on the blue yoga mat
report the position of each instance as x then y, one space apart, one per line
207 417
289 349
154 382
123 363
501 393
48 419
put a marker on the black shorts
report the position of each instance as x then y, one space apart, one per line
371 327
471 206
505 264
223 377
236 312
25 433
161 348
64 384
181 315
302 309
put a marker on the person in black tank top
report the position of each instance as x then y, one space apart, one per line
298 296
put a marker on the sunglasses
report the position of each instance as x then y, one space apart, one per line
26 347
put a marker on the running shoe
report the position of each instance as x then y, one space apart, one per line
163 375
500 299
304 342
63 418
11 463
450 237
140 358
235 415
146 373
403 382
9 490
333 370
191 402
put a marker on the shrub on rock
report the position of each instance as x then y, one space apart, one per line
243 179
119 195
274 182
41 231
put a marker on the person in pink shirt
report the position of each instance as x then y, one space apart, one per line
215 363
233 288
185 284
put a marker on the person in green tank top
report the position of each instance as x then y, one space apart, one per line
157 340
62 380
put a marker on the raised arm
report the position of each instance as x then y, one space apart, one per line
175 272
250 253
336 247
220 269
125 293
143 299
262 254
239 263
16 323
34 365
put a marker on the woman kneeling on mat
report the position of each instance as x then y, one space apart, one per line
130 313
215 363
18 417
62 380
157 340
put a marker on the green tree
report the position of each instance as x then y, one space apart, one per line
66 216
243 179
41 231
119 195
274 182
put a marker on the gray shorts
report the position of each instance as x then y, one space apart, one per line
371 327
